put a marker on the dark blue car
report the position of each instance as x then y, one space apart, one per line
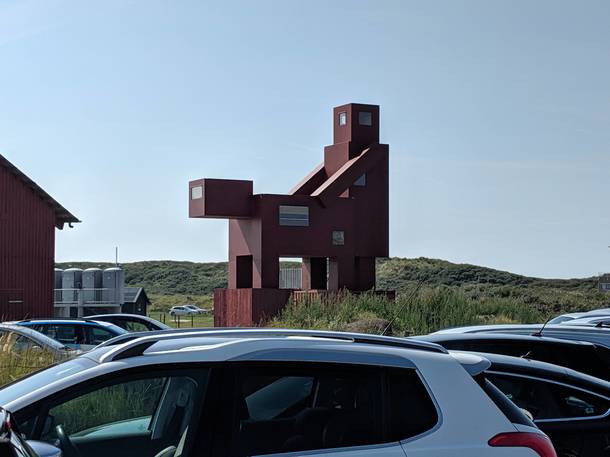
77 334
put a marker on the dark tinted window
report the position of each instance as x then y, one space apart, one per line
97 335
288 409
410 408
133 326
586 359
508 408
64 333
546 400
284 409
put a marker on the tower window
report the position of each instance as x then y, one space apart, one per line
342 118
196 192
295 216
338 237
365 118
361 181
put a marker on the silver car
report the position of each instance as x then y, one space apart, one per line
263 392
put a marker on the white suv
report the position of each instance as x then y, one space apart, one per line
182 311
267 392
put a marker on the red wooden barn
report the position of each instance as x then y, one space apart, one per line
28 219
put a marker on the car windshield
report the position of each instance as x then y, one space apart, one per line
43 378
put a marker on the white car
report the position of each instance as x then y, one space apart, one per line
569 317
600 321
257 392
181 311
197 309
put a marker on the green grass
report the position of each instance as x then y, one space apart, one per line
430 309
197 321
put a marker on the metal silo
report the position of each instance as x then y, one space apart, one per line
71 282
92 285
72 278
58 280
113 283
57 285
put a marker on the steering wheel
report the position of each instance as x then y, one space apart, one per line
65 443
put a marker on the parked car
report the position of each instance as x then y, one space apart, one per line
131 322
599 336
589 358
591 321
77 334
17 339
571 407
572 316
260 392
181 311
197 309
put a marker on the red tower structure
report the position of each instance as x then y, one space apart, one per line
335 219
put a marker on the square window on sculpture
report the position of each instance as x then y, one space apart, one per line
338 237
196 192
342 118
365 118
295 216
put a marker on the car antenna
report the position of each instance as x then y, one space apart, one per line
539 332
407 302
526 355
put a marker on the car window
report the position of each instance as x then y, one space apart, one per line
134 415
88 414
297 409
97 335
546 400
133 326
277 395
289 409
410 409
64 333
12 342
23 343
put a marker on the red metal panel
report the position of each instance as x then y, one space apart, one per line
247 307
220 198
27 245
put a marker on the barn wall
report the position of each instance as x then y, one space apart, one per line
27 245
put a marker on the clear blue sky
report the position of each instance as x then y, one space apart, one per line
497 115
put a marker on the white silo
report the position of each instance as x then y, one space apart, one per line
71 282
113 283
92 285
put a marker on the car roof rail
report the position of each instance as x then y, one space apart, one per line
52 319
135 344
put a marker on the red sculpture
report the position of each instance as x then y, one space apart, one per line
335 219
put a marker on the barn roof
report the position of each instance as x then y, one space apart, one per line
132 294
62 215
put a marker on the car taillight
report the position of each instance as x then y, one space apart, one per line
535 441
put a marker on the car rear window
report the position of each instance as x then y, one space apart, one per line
411 410
512 412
